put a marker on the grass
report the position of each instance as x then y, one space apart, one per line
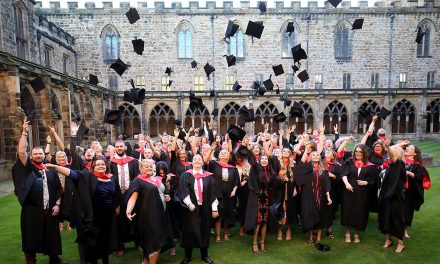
421 248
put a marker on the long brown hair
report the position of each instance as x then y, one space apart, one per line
418 156
364 152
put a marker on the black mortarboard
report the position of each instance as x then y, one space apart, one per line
93 79
191 93
127 96
242 152
295 68
296 110
182 135
194 64
268 83
420 35
208 69
287 102
168 71
112 117
132 15
280 118
278 90
261 90
231 29
236 86
195 102
138 46
277 211
87 235
254 29
255 85
37 84
236 133
211 93
358 23
178 122
119 66
298 53
30 114
290 28
75 117
363 112
384 113
82 130
138 96
241 122
230 59
169 83
303 76
215 112
278 69
251 116
335 3
262 6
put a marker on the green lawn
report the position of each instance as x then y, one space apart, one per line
421 248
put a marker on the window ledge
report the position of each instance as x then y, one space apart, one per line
185 58
343 59
424 56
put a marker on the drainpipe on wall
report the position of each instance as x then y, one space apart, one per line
213 57
308 17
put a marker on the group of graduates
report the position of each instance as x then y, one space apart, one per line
185 186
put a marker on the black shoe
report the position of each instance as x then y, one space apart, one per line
321 247
185 260
208 260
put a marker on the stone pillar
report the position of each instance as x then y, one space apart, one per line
420 116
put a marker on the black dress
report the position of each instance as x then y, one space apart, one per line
256 185
415 192
276 190
196 227
391 214
227 178
40 231
355 205
336 189
315 213
153 227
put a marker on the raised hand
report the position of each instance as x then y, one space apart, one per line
309 130
26 125
176 132
375 118
321 129
73 128
335 128
52 130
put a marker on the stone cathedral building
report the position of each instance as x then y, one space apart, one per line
64 41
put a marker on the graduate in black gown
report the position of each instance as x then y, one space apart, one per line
357 174
147 204
244 170
315 198
38 191
227 178
391 209
99 200
198 191
124 169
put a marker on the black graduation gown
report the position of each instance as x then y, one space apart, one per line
391 213
125 226
196 227
355 207
314 214
226 202
276 195
378 161
152 229
89 228
415 193
336 189
292 202
40 231
255 182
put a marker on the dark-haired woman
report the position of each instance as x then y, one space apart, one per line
357 174
99 198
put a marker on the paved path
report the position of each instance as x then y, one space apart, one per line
6 187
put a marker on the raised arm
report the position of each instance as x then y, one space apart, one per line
320 147
280 139
22 144
57 138
150 143
366 136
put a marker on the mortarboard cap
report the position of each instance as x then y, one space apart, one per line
215 112
280 118
230 59
262 6
132 15
30 114
254 29
82 130
363 112
384 113
169 83
236 86
138 46
236 133
138 96
335 3
178 122
420 35
231 29
37 84
296 110
255 85
191 93
277 211
290 28
241 122
194 64
93 79
208 69
168 71
75 117
182 135
295 68
278 90
195 102
119 66
211 93
127 96
242 152
287 102
261 90
303 76
358 23
298 53
268 83
112 117
278 69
